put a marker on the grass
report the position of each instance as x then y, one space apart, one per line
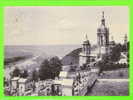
121 73
109 89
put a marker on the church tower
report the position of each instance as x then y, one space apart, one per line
125 41
84 56
103 38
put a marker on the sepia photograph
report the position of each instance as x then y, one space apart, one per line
66 51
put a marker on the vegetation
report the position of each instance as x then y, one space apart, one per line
55 64
50 69
17 73
35 75
125 47
110 89
115 53
108 62
110 66
24 74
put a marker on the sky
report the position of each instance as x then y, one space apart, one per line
64 25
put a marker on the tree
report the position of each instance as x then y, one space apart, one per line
115 53
24 74
34 78
34 75
16 72
50 69
125 47
105 58
55 65
44 71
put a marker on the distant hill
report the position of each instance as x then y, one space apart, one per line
73 56
16 51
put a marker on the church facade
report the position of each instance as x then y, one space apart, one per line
102 45
84 56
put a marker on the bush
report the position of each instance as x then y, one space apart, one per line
16 72
110 66
24 74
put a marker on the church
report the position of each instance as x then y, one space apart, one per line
87 56
76 82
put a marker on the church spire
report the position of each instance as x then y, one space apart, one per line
103 19
125 39
103 14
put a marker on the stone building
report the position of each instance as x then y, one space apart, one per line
22 86
14 85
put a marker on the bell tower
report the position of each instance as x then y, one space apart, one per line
84 56
103 38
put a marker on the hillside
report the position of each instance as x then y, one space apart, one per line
72 57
